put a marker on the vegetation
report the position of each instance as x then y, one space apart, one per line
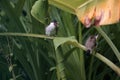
27 54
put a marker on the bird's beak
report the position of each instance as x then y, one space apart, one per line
57 24
96 36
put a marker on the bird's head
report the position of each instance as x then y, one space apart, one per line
92 38
55 23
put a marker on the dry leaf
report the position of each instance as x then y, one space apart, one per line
99 12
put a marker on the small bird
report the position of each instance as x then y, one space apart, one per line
52 28
90 43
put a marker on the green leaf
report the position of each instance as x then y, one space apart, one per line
10 68
15 24
19 7
67 5
115 50
39 10
67 54
11 79
61 40
17 44
52 68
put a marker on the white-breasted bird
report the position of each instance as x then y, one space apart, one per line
90 43
52 28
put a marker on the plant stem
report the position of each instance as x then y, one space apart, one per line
115 50
60 66
103 59
26 35
82 63
108 62
13 74
90 68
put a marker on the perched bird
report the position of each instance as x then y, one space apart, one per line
90 43
52 28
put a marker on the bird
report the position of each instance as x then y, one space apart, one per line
90 44
52 28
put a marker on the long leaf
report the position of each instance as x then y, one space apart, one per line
67 5
39 10
117 53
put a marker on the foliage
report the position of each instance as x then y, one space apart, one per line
27 54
